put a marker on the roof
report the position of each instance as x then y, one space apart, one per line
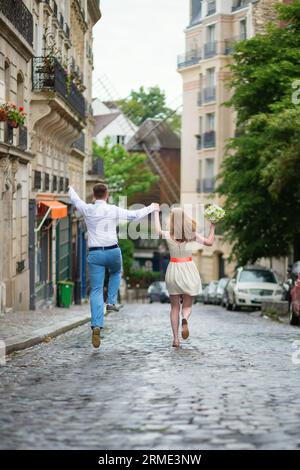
156 134
102 121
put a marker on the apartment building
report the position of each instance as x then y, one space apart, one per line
46 65
214 27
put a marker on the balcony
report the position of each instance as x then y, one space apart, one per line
79 144
230 43
206 185
49 75
209 139
20 17
209 94
239 4
190 58
210 49
211 7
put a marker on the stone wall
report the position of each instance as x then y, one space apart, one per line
263 12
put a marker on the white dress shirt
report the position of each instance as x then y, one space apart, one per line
102 219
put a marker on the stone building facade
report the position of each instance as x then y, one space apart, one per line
50 73
215 25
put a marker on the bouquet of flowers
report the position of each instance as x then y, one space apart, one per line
214 213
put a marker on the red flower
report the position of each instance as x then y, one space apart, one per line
21 108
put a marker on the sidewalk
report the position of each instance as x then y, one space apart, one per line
21 330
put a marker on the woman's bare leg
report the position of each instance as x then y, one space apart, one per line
186 312
187 306
174 315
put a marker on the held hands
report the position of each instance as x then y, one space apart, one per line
156 207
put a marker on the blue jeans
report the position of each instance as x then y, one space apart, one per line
98 260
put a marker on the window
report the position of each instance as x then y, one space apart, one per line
243 29
37 180
66 184
210 122
209 168
211 77
54 183
211 33
20 90
257 276
121 139
7 80
61 184
46 182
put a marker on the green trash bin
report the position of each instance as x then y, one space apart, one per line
65 293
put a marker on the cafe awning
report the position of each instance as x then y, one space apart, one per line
53 209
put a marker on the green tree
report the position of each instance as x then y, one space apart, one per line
125 173
259 176
151 103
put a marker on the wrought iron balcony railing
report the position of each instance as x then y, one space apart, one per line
209 139
49 75
19 16
190 58
80 143
211 7
209 94
230 43
210 49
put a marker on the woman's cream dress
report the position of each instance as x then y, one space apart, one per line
183 277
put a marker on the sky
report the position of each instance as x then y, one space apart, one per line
136 43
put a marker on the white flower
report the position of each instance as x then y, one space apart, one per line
214 213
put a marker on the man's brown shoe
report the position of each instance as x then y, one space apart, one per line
185 329
96 340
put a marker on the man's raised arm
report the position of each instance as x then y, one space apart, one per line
76 201
124 214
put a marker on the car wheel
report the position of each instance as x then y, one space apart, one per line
150 300
234 305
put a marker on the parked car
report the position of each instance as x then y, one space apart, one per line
220 289
251 286
295 295
210 292
200 297
157 292
205 294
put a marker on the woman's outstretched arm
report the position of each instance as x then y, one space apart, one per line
209 240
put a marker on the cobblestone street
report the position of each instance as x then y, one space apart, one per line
232 385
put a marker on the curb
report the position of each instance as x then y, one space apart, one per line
19 343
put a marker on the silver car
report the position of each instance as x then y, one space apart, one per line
251 286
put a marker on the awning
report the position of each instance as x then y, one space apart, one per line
56 209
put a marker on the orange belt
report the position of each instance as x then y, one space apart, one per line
181 260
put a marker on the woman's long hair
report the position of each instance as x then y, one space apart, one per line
182 227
